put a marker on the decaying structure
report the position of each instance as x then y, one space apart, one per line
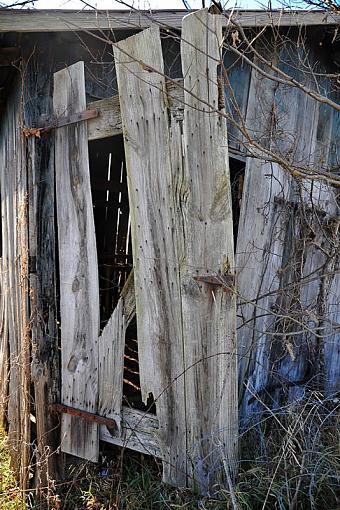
167 186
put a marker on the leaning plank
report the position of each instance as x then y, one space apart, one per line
153 211
209 312
139 432
79 292
111 346
111 365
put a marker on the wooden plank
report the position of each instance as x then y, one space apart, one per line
79 291
111 345
109 122
111 365
4 354
331 344
14 242
139 432
45 363
70 20
208 313
261 236
153 228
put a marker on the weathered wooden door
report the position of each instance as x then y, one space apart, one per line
181 220
182 235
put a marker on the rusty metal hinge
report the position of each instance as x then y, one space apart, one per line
85 415
60 122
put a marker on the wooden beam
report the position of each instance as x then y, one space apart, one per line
139 432
147 142
109 122
70 20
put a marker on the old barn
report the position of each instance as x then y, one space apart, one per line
169 231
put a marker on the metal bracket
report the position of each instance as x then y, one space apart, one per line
226 280
85 415
62 121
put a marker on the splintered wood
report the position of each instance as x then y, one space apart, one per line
181 220
79 291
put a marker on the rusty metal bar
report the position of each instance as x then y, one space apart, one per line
60 122
85 415
72 119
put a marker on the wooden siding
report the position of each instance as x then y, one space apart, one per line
14 286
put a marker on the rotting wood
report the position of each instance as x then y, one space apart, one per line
79 290
208 313
139 432
111 345
14 266
4 354
260 241
45 353
153 229
171 213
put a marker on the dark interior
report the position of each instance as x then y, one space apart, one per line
113 236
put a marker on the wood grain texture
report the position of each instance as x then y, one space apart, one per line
111 346
109 121
177 215
261 236
4 366
147 148
68 20
14 267
79 291
208 313
139 432
111 365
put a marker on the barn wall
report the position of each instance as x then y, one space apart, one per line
14 284
281 362
272 369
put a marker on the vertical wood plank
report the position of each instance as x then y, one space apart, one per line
4 367
180 207
209 313
14 216
261 234
156 270
79 291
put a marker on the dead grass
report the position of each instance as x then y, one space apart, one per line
289 461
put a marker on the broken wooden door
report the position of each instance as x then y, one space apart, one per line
182 288
181 218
